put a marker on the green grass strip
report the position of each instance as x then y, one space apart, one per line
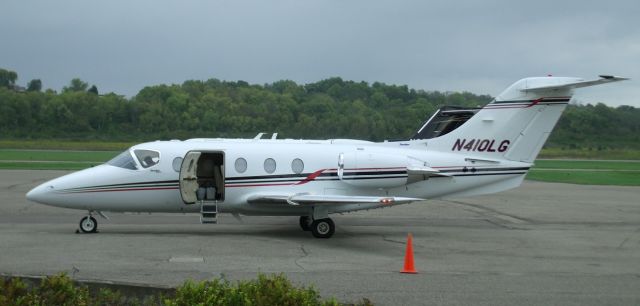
622 154
53 144
50 155
587 164
45 165
587 177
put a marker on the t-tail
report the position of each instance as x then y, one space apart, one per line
514 126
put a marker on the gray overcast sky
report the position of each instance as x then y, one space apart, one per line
476 46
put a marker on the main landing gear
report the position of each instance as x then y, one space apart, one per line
88 224
320 228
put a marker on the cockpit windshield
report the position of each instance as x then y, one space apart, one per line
147 158
124 160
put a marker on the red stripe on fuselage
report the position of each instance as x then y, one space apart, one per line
311 177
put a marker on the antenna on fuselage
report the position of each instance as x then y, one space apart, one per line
259 136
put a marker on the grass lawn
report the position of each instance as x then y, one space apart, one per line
621 154
587 177
588 172
52 159
50 155
68 145
46 165
587 164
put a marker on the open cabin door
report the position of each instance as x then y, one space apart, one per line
189 178
202 177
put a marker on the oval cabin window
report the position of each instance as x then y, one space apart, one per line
297 166
269 165
241 165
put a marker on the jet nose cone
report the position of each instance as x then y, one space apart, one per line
39 194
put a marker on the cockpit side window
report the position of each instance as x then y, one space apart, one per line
147 158
124 160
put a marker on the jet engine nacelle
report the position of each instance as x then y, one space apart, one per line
373 170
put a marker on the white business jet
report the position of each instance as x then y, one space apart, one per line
457 152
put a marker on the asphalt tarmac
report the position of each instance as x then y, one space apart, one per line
540 244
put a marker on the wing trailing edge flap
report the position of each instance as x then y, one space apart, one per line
311 199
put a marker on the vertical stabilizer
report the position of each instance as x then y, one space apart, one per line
517 123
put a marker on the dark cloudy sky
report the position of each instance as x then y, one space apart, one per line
477 46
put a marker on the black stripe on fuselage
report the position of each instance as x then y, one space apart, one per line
330 176
333 176
127 185
472 169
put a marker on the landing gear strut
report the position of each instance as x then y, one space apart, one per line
88 224
323 228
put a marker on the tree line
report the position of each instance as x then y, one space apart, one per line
331 108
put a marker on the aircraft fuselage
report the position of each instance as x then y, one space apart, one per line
372 169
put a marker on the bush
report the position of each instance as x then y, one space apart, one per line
12 290
265 290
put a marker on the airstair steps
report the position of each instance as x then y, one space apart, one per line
208 212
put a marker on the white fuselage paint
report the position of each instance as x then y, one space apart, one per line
156 189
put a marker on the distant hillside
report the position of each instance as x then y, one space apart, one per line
331 108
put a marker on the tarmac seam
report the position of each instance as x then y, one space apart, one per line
621 245
384 238
499 224
495 211
304 254
14 186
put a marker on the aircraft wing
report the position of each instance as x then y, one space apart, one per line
603 79
312 199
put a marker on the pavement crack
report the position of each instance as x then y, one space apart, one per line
14 186
26 207
384 238
499 224
483 210
625 240
304 254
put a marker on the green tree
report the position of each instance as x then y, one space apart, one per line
76 84
93 90
331 108
7 78
34 85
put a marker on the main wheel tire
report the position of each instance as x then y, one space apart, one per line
305 223
323 228
88 224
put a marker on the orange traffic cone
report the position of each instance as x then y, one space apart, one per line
408 257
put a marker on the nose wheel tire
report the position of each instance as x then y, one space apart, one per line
88 224
305 223
323 228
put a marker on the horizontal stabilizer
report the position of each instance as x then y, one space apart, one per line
578 84
482 160
310 199
421 170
